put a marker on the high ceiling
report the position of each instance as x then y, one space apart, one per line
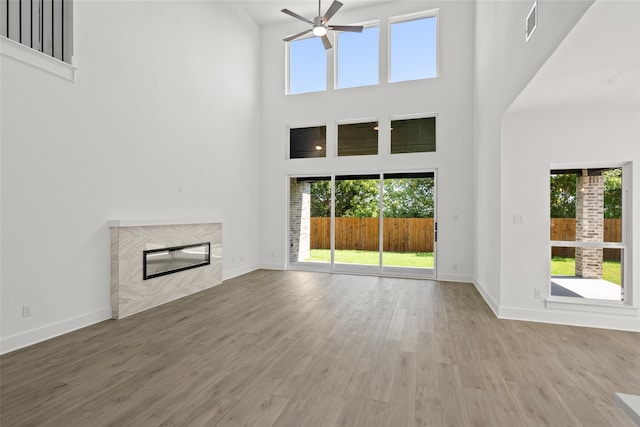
268 12
598 63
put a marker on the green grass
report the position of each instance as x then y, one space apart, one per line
395 259
567 267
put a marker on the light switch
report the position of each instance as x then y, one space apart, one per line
518 218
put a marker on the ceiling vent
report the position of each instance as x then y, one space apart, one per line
532 21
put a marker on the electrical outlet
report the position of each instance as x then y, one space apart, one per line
536 293
27 310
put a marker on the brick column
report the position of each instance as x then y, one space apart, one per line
299 220
589 224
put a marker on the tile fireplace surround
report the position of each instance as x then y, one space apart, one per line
131 294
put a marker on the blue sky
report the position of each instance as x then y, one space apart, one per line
412 45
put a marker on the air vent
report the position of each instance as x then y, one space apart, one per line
532 21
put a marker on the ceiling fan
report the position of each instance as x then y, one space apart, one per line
319 24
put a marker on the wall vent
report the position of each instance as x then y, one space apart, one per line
531 22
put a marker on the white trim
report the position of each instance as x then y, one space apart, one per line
272 266
572 317
53 330
357 121
230 274
414 16
153 222
317 267
459 278
416 116
34 58
493 305
591 306
630 404
581 244
534 10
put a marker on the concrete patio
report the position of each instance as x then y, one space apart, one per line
573 286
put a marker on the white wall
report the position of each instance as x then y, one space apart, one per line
573 112
162 101
586 135
503 66
450 96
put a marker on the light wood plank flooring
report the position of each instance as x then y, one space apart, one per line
313 349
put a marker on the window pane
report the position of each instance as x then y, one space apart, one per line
308 142
408 203
358 58
585 206
413 50
307 66
358 139
357 220
413 135
310 219
567 281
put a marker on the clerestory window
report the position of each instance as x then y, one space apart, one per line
413 53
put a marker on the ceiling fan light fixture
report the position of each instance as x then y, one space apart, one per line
319 31
319 25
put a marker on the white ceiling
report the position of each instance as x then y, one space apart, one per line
268 12
597 63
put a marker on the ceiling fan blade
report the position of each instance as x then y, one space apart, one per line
295 36
351 28
295 15
326 42
335 6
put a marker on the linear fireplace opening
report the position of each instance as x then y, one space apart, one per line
160 262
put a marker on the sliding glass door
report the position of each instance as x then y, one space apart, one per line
357 223
310 222
408 225
375 223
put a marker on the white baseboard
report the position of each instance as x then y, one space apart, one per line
53 330
230 274
454 278
274 266
572 318
493 305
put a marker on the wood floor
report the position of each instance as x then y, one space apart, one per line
313 349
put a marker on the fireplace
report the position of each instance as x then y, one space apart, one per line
163 261
164 247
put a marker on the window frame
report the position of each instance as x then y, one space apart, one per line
302 126
355 122
336 48
287 73
629 299
414 16
414 117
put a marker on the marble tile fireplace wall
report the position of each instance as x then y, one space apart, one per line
130 293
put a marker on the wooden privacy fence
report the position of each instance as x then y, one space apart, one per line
416 234
400 234
564 229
